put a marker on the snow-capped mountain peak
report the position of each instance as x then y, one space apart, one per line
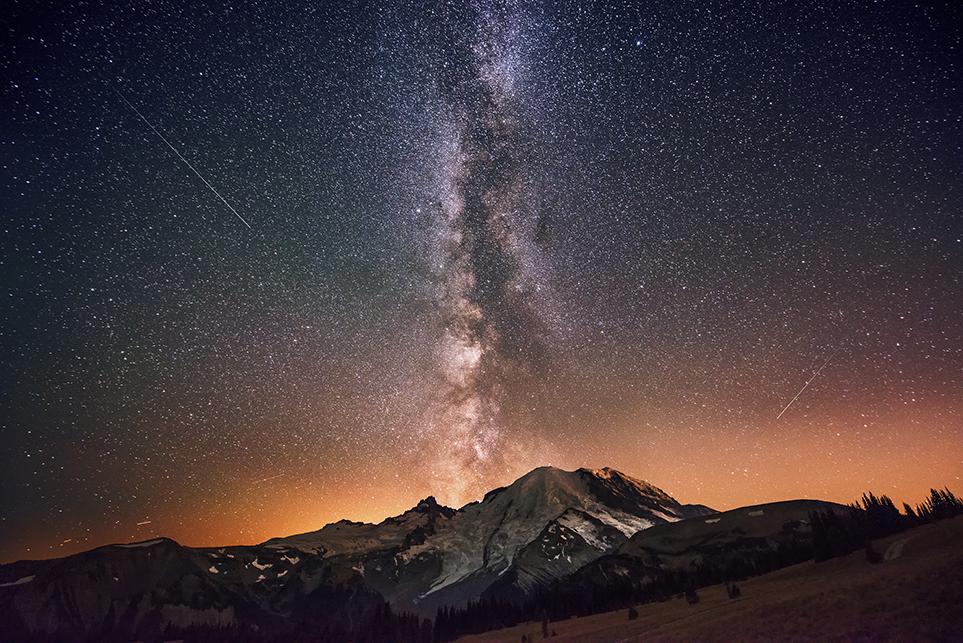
479 544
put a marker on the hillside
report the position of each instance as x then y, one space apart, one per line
914 594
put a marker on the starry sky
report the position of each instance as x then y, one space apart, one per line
269 265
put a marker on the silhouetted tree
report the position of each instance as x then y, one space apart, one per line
879 516
941 504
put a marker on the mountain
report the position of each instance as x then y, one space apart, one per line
542 527
433 556
517 539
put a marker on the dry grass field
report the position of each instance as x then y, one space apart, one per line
914 595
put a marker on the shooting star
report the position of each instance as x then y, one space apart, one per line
181 157
806 385
257 482
146 522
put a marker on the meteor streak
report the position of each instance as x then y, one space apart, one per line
257 482
806 385
181 157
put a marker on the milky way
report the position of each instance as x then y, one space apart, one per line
493 337
485 236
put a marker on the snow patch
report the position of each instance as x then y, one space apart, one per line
757 512
712 521
212 569
20 581
259 566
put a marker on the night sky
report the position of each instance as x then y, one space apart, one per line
269 265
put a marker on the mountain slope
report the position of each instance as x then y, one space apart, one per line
566 543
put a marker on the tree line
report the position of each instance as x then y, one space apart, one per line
837 533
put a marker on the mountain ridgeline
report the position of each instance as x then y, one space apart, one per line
552 541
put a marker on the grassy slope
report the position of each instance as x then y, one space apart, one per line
918 596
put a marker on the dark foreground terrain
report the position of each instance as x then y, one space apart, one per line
914 594
552 545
